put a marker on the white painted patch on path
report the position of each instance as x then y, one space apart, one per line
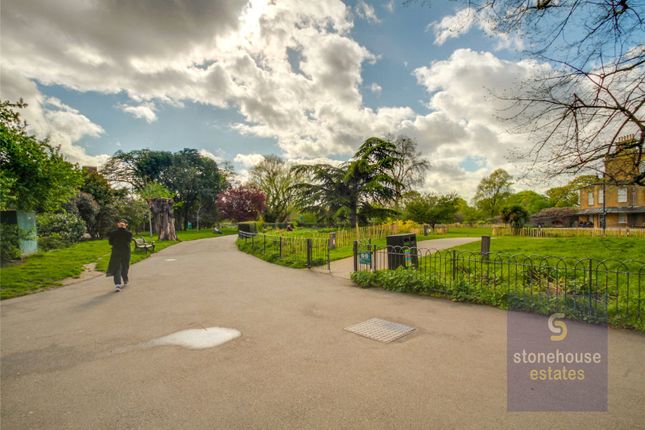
198 338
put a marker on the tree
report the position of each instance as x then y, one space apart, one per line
467 213
562 197
106 198
432 208
193 179
595 91
529 200
196 182
33 174
85 206
164 218
492 191
277 181
241 203
137 168
354 190
151 191
410 169
516 216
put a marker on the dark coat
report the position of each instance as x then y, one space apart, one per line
120 240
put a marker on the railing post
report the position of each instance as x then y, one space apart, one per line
328 259
309 253
280 246
454 264
356 256
590 283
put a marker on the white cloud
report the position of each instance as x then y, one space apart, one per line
366 12
375 88
248 160
235 55
144 111
206 153
48 117
453 26
389 6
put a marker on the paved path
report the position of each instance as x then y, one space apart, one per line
343 268
70 357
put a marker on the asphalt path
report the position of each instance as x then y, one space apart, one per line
79 357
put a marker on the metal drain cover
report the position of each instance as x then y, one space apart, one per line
381 330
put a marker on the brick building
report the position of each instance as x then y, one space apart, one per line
624 203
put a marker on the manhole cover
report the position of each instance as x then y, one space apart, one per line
381 330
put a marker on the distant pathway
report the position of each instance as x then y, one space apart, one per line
344 268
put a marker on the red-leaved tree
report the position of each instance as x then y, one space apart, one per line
241 203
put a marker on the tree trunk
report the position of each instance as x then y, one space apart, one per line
164 218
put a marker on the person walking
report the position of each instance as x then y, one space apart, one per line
119 265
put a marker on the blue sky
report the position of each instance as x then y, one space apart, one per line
308 80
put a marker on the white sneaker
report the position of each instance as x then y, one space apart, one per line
117 288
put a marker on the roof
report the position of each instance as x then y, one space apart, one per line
613 210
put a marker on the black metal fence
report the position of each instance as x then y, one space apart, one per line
291 251
588 289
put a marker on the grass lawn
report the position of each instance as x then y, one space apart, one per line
618 248
48 269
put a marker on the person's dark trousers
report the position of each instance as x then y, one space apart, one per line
122 270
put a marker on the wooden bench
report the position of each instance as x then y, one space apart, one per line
141 243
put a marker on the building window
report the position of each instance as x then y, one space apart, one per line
601 196
622 195
622 218
590 198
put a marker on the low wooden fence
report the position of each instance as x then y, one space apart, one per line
568 232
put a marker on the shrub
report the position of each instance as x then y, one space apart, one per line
9 249
69 227
54 241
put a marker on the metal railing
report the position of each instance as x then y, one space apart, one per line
295 251
602 291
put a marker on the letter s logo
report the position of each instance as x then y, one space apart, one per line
557 327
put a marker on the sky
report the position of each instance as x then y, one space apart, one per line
308 81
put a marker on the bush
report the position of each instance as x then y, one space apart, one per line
9 249
55 241
62 226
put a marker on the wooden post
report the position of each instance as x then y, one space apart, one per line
485 249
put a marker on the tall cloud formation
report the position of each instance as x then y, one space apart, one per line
235 55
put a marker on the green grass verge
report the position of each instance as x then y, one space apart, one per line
619 248
47 269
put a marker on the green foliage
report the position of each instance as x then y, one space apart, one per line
134 210
9 249
53 241
33 174
432 208
353 191
492 191
64 226
193 180
529 200
154 190
515 215
277 181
